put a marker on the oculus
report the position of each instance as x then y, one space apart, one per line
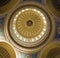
53 6
52 50
6 51
29 27
7 5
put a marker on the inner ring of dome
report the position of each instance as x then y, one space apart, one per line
29 23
